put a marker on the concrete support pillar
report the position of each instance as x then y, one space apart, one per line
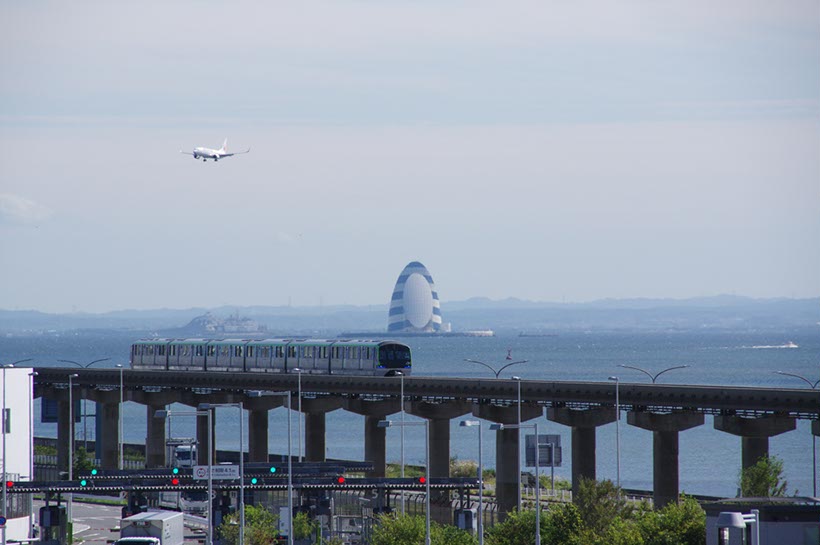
374 437
315 448
65 430
507 451
665 429
155 440
755 433
374 445
583 423
109 439
315 411
203 439
258 435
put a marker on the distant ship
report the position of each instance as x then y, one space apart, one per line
790 344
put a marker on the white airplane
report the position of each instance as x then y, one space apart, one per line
215 154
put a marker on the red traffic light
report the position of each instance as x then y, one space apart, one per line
175 481
340 479
422 480
9 484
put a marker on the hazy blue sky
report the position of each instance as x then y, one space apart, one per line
535 149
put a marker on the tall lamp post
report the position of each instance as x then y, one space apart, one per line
497 373
31 447
534 426
425 423
617 430
290 457
119 431
240 406
70 500
83 415
401 403
650 375
477 423
813 385
163 414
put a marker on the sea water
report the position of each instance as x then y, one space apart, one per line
709 459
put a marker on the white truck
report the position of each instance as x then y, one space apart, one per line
185 456
152 528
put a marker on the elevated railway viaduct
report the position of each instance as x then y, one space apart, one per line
754 414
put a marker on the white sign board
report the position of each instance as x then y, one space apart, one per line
217 472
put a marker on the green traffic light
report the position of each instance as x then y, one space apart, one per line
83 482
253 480
273 470
176 470
94 471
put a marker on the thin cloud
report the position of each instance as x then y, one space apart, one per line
15 209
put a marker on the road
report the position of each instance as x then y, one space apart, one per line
96 524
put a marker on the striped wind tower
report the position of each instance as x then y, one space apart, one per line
414 307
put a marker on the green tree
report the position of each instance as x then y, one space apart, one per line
764 479
560 525
82 461
411 530
681 523
303 526
261 527
600 503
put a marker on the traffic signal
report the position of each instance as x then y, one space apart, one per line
94 471
175 471
175 481
422 480
273 469
9 484
340 479
83 482
254 480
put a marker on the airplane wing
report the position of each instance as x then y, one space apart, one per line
234 153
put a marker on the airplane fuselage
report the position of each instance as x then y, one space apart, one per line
207 153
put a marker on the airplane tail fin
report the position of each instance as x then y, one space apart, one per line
224 146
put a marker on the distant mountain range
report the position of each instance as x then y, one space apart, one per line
504 316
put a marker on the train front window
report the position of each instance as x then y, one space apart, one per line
394 356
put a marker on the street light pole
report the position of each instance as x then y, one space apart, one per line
30 446
518 380
162 414
426 424
813 385
70 499
82 405
119 432
299 403
617 430
469 423
650 375
287 394
401 402
241 408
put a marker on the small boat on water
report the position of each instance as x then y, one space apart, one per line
790 344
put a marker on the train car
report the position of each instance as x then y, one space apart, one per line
311 356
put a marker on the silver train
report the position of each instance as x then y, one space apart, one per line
335 357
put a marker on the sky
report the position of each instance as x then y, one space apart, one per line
545 150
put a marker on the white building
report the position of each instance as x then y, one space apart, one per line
16 453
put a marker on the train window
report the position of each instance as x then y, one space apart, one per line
278 351
211 350
249 351
199 351
161 349
291 351
184 351
324 352
347 352
367 353
225 351
149 350
173 350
